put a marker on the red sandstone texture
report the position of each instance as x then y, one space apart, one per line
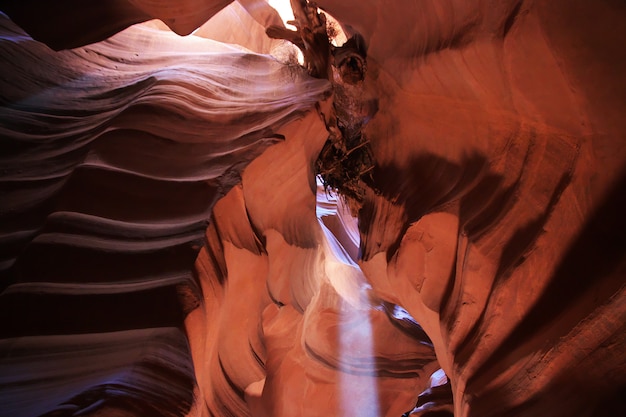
166 249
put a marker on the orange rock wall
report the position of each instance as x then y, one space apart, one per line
496 218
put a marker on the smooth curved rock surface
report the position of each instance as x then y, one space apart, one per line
112 158
509 200
494 217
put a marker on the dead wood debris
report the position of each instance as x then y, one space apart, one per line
346 161
346 171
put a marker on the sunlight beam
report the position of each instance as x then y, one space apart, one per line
358 389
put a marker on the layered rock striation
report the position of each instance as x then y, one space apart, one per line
167 250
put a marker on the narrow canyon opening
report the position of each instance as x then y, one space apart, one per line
294 208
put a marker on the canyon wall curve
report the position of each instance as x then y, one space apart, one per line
169 249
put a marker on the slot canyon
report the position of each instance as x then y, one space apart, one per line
212 208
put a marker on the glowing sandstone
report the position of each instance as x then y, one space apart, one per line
495 216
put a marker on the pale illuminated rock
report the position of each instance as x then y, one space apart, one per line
493 217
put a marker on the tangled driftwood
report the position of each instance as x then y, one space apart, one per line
346 162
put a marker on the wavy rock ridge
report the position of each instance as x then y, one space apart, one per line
492 215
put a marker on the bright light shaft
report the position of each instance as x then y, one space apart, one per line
358 390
